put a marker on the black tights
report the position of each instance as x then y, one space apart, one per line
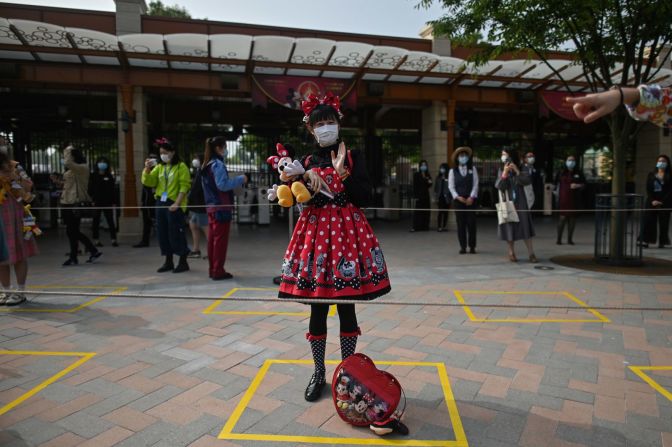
318 318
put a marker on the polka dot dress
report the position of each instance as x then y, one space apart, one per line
333 252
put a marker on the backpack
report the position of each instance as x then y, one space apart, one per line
196 196
366 396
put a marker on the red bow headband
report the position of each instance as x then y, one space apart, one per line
162 141
313 101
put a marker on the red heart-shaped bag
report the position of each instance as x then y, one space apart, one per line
363 394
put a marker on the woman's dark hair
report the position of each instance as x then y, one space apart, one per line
199 157
210 145
78 156
513 156
323 112
444 166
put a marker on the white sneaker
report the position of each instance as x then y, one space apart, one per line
3 298
14 299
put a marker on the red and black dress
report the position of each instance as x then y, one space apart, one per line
333 253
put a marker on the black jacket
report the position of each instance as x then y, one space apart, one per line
102 189
665 193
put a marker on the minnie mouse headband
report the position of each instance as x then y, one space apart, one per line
163 141
313 101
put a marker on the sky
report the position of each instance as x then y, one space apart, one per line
382 17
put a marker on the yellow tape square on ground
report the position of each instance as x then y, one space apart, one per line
460 294
460 436
212 309
26 306
84 357
639 370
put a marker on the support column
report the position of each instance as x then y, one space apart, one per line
132 135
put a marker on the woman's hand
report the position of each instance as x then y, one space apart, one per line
656 203
338 160
591 107
174 207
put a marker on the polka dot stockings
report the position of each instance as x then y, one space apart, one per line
318 346
348 346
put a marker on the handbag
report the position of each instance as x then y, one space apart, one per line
506 210
364 395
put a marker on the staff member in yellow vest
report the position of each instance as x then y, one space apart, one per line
172 182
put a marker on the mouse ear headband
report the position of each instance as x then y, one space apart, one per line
313 101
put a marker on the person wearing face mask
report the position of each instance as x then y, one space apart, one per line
218 189
658 197
535 190
333 254
198 217
463 184
511 182
422 181
103 195
569 183
172 182
443 197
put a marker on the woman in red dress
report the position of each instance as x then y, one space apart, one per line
333 254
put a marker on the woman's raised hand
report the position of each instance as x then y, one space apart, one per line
338 160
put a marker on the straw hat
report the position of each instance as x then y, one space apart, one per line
459 150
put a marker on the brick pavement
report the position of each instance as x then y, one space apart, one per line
167 374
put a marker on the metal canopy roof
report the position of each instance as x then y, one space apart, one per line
25 40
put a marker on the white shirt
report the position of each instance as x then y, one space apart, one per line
463 172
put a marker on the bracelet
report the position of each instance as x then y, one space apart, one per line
620 91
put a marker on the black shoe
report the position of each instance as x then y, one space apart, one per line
570 242
182 265
314 388
558 242
463 251
141 245
115 244
70 261
167 267
94 256
277 280
98 244
472 251
226 275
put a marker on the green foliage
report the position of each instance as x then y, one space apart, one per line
157 8
600 33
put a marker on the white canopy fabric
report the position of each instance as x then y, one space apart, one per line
235 53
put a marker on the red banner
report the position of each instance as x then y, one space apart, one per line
289 91
555 101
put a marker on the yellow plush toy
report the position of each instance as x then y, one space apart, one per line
30 228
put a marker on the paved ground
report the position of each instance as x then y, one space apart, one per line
174 373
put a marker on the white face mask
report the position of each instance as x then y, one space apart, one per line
196 163
530 160
505 158
326 135
166 158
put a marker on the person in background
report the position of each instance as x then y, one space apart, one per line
172 182
511 182
218 192
75 196
463 185
422 181
15 249
535 190
569 182
102 189
658 201
443 197
148 203
198 217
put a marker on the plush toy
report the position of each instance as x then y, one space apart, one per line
342 395
290 171
30 228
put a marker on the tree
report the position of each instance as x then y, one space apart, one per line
157 8
600 34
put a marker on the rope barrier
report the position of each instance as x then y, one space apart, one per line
252 205
380 302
